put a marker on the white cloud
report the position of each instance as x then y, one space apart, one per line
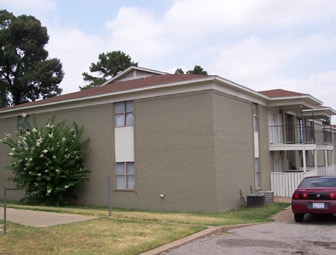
323 86
194 18
257 57
139 34
76 50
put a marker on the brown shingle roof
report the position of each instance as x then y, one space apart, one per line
280 93
115 87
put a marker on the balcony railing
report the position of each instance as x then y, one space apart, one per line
298 134
283 184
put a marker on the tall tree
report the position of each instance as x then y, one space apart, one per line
197 70
26 73
108 65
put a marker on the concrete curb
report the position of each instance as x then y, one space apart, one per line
202 234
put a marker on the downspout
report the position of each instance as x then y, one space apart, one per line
304 160
333 149
301 128
313 125
315 150
333 159
315 159
301 131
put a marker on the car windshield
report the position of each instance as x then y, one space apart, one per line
318 182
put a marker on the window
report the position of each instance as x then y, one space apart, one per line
125 175
22 124
123 112
255 118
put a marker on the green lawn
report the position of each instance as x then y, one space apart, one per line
125 232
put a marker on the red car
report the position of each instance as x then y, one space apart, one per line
314 195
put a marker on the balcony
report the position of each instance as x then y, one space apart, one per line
299 134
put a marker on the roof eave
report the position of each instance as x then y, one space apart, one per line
241 88
321 111
306 101
105 95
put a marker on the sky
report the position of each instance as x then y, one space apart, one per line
260 44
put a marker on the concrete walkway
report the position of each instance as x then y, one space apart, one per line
40 219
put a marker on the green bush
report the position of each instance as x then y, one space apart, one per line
48 161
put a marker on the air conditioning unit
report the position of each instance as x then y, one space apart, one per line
269 197
255 200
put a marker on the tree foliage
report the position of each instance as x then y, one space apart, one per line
108 65
197 70
47 161
26 72
179 71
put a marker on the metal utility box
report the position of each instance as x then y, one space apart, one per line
269 197
255 200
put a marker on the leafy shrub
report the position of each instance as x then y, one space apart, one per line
48 161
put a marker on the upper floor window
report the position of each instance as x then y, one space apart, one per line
123 112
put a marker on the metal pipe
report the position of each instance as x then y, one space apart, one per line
5 209
109 194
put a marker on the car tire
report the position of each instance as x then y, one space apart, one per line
299 217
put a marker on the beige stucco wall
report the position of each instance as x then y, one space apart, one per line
195 147
174 154
266 159
98 126
234 149
7 126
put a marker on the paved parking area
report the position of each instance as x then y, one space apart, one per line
283 236
269 238
315 236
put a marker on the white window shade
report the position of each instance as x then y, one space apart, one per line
124 144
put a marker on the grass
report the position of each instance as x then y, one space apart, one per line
126 232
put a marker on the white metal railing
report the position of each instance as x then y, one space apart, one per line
330 170
299 134
283 184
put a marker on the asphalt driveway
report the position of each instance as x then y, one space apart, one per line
315 236
283 236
